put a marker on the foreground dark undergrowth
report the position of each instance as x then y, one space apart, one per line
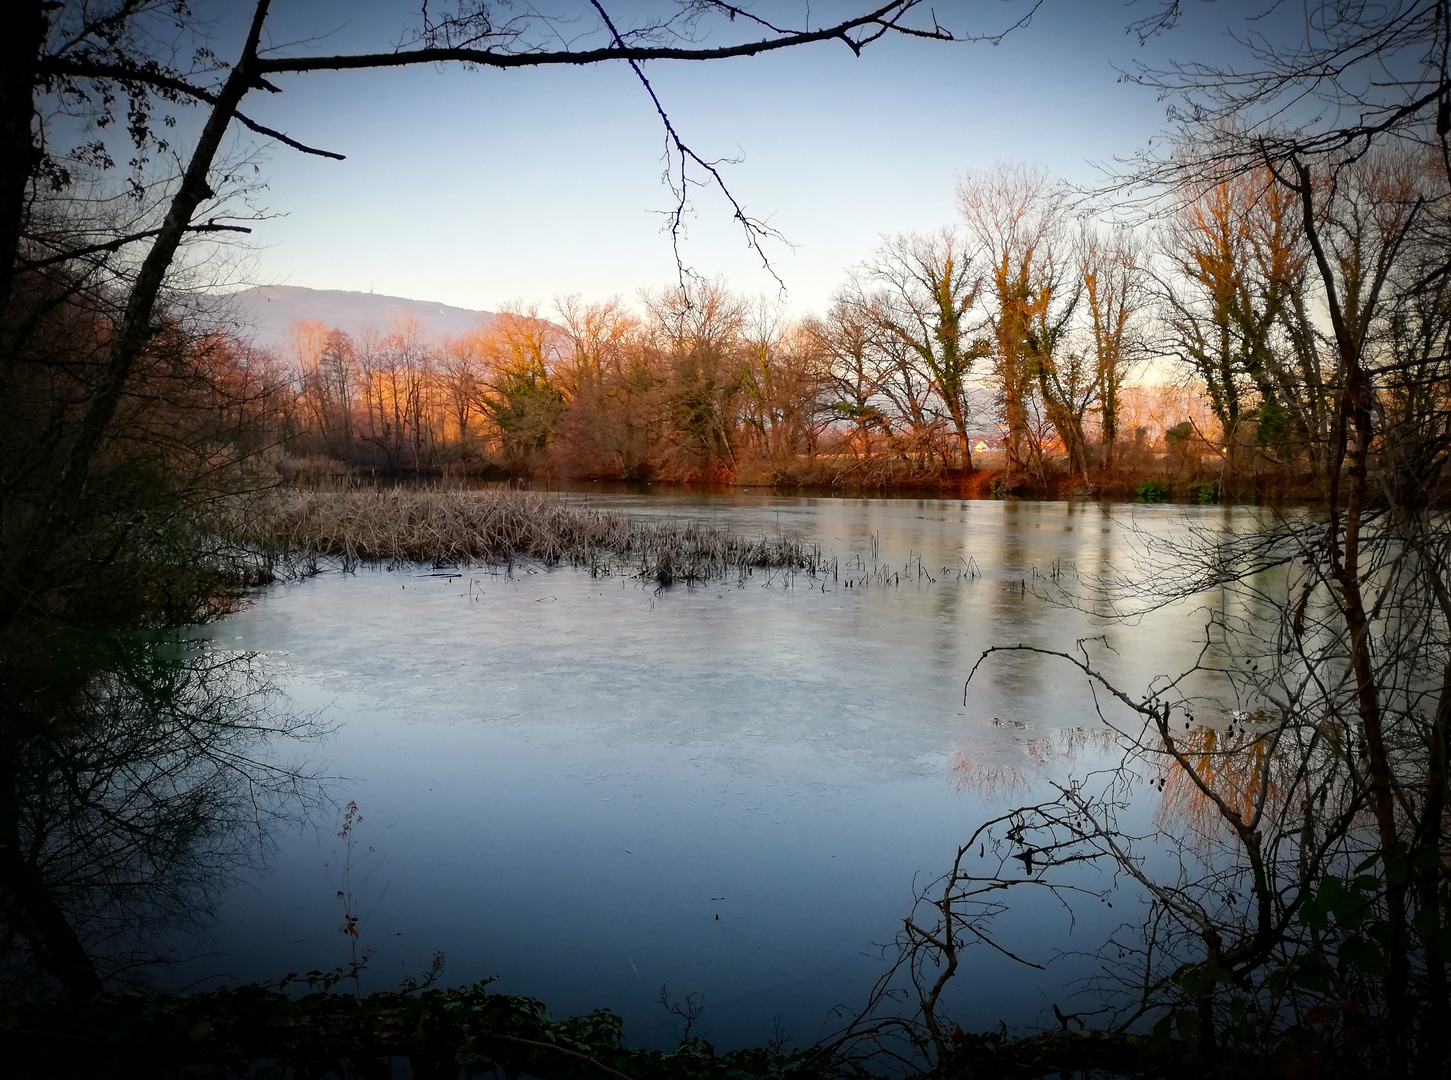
255 1031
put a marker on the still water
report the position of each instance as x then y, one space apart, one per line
590 788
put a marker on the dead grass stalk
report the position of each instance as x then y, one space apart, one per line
463 528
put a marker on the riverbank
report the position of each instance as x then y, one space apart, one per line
1164 480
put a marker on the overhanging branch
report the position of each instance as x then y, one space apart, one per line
119 242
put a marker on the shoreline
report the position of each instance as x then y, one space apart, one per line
977 485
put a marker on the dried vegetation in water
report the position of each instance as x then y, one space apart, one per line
464 528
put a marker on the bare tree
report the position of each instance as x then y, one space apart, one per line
608 425
1016 218
919 291
783 386
846 337
1114 287
1237 315
698 341
460 369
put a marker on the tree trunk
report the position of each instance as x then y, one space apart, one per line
20 48
959 421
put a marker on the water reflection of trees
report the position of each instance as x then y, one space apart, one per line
1233 768
141 774
1035 756
987 779
1278 895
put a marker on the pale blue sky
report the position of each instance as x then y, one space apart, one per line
477 188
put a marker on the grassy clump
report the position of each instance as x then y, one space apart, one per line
461 528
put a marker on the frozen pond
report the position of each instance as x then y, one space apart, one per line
590 788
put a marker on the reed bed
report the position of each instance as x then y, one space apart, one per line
465 528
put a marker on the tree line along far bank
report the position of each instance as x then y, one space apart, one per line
1028 346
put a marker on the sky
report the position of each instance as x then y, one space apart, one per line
486 189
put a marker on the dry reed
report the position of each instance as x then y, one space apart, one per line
462 528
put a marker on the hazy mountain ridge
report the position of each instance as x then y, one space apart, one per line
266 313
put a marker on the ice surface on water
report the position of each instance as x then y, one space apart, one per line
565 780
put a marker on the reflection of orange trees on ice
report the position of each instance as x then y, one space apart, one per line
1253 773
981 778
1065 746
1218 775
1068 745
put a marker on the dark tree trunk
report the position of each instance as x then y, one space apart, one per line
20 46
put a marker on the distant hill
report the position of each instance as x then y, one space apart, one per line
266 313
